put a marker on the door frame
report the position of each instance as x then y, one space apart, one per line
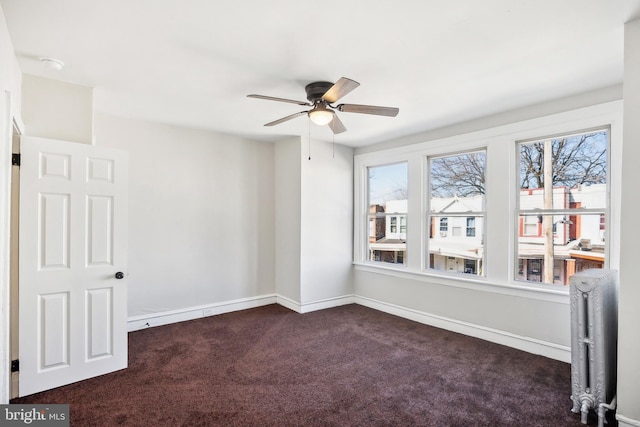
14 267
12 125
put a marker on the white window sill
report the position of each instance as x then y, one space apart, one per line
553 293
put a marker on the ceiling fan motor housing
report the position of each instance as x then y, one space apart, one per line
315 90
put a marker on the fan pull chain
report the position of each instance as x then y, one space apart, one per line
333 145
309 136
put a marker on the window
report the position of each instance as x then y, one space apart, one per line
470 209
387 213
444 226
456 189
394 226
530 225
471 227
562 206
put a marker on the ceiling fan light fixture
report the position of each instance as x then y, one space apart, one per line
321 116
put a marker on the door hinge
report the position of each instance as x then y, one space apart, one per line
15 159
15 365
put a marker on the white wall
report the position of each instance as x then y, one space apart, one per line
10 96
57 110
629 314
516 321
288 221
201 215
10 74
327 217
313 224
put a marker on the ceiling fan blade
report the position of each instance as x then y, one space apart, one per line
339 89
271 98
368 109
284 119
336 125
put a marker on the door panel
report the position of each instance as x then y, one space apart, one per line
73 228
53 330
54 231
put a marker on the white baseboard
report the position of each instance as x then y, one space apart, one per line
144 321
627 422
315 305
135 323
530 345
289 303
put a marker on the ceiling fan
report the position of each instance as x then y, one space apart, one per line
321 96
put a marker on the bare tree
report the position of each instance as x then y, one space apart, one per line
461 174
580 159
576 160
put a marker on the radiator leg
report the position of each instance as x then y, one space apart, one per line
587 403
585 412
576 405
602 410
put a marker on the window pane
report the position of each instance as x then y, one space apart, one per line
387 186
567 175
567 244
456 205
575 164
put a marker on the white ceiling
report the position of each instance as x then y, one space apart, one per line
192 63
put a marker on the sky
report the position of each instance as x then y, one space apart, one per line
388 182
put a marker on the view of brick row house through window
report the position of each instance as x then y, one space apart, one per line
455 243
560 222
578 240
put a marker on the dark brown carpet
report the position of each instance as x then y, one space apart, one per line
346 366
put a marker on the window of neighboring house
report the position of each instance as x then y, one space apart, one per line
562 206
530 225
470 266
444 226
456 201
471 227
387 187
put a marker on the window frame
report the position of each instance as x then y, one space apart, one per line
565 212
389 216
499 141
458 227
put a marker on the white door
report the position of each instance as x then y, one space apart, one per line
73 230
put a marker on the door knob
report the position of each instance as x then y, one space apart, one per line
119 275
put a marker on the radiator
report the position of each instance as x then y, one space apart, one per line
594 333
